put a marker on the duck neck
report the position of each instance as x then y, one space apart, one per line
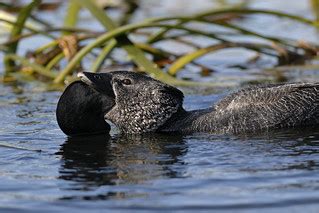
189 121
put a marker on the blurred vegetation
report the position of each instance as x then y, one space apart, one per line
70 43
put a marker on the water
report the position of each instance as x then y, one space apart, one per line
41 169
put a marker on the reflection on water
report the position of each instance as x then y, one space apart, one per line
251 170
95 161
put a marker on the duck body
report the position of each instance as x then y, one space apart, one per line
141 104
254 109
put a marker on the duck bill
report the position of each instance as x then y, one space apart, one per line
101 82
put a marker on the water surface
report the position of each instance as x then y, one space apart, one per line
42 169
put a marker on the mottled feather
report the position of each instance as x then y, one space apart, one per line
271 106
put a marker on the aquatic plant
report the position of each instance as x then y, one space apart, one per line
73 43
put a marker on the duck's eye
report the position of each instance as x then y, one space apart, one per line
126 81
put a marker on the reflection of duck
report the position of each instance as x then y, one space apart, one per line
97 160
142 104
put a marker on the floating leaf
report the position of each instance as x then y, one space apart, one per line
102 56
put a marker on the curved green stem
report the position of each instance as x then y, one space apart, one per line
16 31
182 61
119 31
101 40
231 10
36 67
198 17
54 61
45 32
103 54
71 17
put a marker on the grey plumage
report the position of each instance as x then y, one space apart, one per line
257 108
147 105
144 105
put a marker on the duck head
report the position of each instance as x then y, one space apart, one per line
142 104
81 108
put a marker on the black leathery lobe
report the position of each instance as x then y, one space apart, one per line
81 109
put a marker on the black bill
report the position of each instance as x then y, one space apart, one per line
101 82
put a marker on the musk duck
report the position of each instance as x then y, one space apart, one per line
138 104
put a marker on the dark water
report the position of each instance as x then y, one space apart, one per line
42 170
